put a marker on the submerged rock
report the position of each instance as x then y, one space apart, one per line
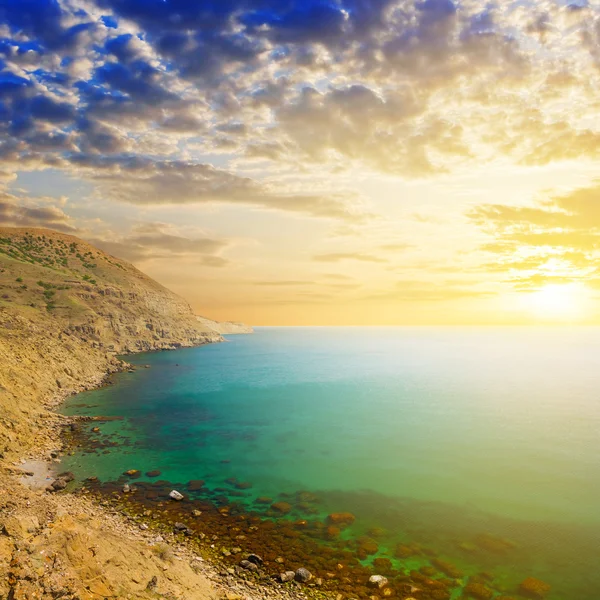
263 500
378 581
341 519
282 508
249 566
175 495
478 591
534 588
303 575
155 473
195 485
133 473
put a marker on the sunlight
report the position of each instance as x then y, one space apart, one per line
559 301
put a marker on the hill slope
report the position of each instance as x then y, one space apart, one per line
66 310
226 327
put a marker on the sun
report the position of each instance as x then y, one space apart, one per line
559 302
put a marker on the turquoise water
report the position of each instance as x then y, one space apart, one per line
436 435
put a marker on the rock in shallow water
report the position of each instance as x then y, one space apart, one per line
534 588
249 566
303 575
378 581
175 495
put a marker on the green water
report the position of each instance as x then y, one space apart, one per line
439 436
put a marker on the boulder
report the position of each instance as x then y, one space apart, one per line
254 558
133 473
249 566
57 485
478 591
341 519
377 581
534 588
67 476
195 485
175 495
283 508
287 576
303 575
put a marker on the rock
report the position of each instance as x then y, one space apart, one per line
287 576
133 473
93 478
175 495
341 519
279 560
378 581
249 566
534 588
478 591
447 568
126 488
263 500
243 485
67 476
282 508
152 584
195 485
143 526
57 485
303 575
155 473
196 513
254 558
179 527
404 551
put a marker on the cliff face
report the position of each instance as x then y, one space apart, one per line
226 327
66 310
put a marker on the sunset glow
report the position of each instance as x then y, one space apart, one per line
316 162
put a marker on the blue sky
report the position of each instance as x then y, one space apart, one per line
342 161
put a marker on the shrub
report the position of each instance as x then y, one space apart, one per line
163 551
19 280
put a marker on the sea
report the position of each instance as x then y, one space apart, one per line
477 448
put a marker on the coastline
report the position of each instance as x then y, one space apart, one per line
144 561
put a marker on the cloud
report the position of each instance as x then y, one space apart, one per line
156 241
556 240
341 256
134 96
21 212
144 181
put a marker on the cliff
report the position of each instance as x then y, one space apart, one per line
66 310
225 327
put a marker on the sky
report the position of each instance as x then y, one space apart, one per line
317 162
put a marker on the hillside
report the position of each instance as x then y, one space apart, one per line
66 310
226 327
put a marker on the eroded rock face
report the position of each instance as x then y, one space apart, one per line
66 341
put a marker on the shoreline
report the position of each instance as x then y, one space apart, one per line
178 567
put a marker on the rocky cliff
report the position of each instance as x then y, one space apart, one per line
66 310
226 327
